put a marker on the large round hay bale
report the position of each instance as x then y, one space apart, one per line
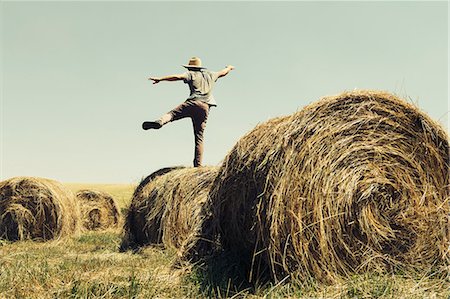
166 206
98 210
36 209
352 183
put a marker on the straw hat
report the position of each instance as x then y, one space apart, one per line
194 63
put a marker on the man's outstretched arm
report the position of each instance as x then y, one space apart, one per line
225 71
167 78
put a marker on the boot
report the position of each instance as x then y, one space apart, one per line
151 125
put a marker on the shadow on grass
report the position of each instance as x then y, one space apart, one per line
228 274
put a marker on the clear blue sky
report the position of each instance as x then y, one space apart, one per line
74 74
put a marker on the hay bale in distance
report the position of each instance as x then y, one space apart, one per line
352 183
166 206
98 210
36 209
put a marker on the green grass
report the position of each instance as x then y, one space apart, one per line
87 266
90 266
368 285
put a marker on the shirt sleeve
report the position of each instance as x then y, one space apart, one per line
215 76
187 77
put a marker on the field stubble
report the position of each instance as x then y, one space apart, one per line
90 266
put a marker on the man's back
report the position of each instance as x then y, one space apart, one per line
201 84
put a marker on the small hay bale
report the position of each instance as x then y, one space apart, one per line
36 209
166 206
98 210
352 183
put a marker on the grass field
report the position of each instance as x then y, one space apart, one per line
90 266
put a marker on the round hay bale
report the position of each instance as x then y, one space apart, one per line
36 209
133 234
352 183
98 210
166 206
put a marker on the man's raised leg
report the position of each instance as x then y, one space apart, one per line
178 112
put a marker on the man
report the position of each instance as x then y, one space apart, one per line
201 82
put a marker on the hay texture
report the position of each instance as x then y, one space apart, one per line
99 210
352 183
166 206
36 209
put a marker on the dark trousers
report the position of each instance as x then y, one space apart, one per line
198 112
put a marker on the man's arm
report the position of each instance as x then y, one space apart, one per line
225 71
167 78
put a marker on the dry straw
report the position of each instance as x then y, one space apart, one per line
98 210
166 206
37 209
352 183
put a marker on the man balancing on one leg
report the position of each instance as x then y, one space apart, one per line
201 82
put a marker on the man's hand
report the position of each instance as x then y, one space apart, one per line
155 80
225 71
